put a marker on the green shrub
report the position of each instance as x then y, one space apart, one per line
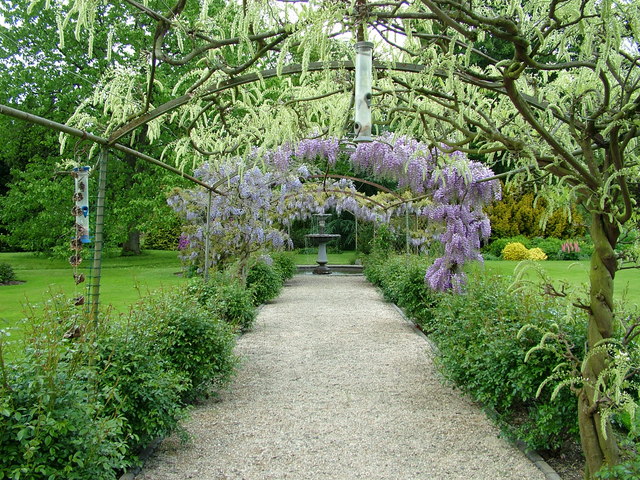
146 383
415 297
550 246
53 424
495 248
626 470
163 235
233 304
373 268
518 213
226 299
6 273
80 403
384 240
391 279
56 422
479 351
285 264
196 344
264 282
537 254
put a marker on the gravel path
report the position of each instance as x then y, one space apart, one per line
336 385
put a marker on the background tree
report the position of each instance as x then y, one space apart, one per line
48 77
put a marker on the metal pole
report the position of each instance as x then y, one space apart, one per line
207 240
406 229
356 219
98 237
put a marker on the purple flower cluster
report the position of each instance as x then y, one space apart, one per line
310 149
458 192
260 202
183 242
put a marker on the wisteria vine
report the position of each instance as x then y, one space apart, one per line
448 190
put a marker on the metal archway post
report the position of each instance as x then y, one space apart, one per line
96 269
207 240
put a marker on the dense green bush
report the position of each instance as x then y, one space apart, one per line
233 303
553 247
81 402
6 273
54 425
626 470
285 264
495 248
56 420
515 251
519 213
197 344
476 334
163 236
264 282
226 299
146 383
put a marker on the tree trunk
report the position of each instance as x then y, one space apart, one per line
132 245
597 449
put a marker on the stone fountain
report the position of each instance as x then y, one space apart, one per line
320 240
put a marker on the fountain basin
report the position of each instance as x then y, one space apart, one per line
317 238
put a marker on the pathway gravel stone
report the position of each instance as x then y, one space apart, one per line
335 384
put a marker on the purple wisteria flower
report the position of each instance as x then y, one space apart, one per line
264 197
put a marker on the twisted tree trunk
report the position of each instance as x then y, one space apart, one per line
599 445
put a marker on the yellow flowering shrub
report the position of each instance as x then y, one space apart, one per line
537 254
515 251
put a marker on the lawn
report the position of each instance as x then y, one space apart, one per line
127 279
627 282
344 258
124 280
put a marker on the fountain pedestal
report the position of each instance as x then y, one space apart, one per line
320 240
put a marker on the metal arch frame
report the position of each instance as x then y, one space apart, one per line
292 70
251 78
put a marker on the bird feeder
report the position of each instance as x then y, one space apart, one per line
81 199
363 95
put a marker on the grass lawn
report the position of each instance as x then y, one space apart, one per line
124 280
344 258
627 282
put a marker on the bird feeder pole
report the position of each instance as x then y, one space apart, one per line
363 95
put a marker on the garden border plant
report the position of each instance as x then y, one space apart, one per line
85 398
